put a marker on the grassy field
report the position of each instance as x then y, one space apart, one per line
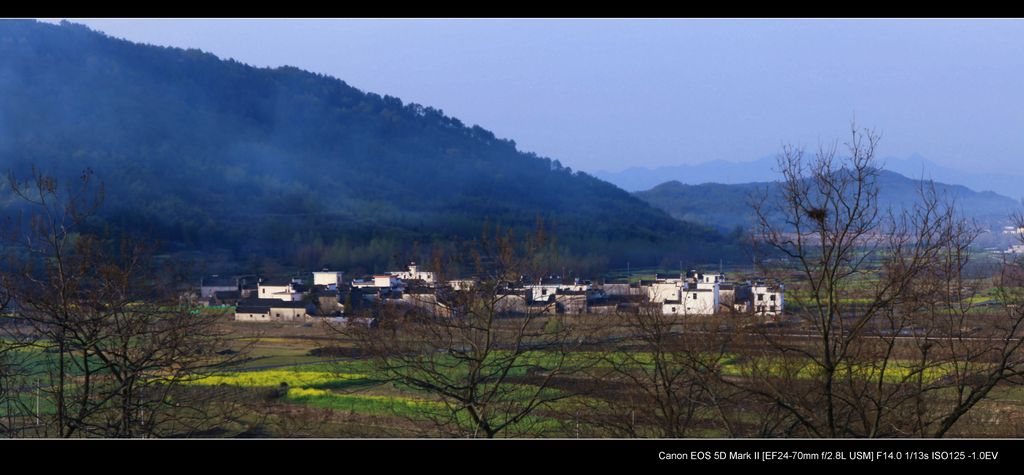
287 366
350 388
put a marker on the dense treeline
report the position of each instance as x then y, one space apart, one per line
213 154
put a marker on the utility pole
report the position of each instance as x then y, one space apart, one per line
577 424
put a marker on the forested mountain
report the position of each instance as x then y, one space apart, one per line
206 153
728 206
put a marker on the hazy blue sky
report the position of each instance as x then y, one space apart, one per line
608 94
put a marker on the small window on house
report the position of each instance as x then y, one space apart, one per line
760 297
695 296
772 297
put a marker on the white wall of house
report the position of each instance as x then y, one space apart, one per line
768 299
541 292
280 292
252 317
662 291
701 302
710 278
672 307
327 278
414 273
286 314
275 314
693 302
712 286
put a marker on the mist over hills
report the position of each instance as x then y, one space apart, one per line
727 206
212 154
715 171
1007 183
915 166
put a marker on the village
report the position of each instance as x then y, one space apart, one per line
327 295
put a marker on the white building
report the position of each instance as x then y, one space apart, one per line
281 289
706 281
693 302
694 294
767 299
668 289
380 281
461 284
543 290
329 279
271 310
414 273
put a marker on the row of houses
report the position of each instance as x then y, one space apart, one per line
1013 230
698 293
324 295
328 295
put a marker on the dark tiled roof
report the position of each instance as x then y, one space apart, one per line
252 310
218 281
418 290
276 281
272 303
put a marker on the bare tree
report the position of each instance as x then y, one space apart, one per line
113 341
13 375
881 305
660 376
485 362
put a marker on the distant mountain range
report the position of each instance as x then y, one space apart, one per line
214 155
763 169
916 166
716 171
727 206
